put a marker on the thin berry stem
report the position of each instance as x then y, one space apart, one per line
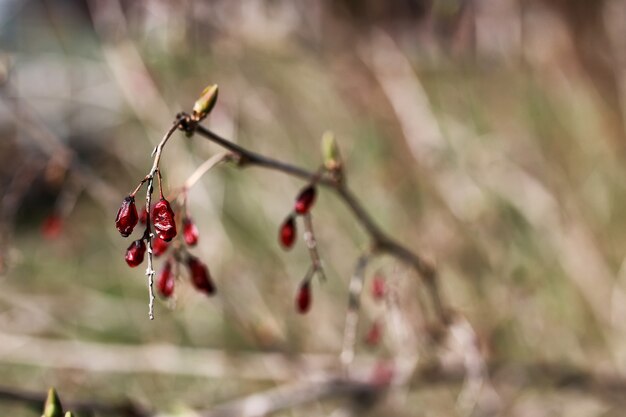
148 236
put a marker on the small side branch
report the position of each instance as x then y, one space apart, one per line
380 241
150 189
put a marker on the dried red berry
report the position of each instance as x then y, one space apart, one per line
374 334
305 200
159 246
127 218
165 280
163 220
379 287
303 299
200 276
190 232
288 232
52 227
135 253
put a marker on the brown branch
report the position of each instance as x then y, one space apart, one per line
381 243
364 393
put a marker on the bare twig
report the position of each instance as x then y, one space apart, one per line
148 236
204 168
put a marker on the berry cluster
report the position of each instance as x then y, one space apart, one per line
160 219
163 221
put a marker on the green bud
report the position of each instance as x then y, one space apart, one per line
52 406
330 151
69 414
203 106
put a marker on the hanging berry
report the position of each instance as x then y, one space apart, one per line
200 276
190 232
127 218
159 246
163 220
135 253
287 235
303 299
165 280
305 200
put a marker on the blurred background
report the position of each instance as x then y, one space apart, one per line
488 136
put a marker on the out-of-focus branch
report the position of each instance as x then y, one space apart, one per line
285 397
25 118
176 360
163 359
352 315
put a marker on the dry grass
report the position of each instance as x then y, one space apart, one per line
502 170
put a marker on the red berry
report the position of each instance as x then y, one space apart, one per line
305 200
127 218
379 287
163 220
159 246
200 276
165 280
135 253
303 299
52 226
190 232
374 334
288 232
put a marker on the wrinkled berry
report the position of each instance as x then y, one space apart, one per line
163 220
165 280
200 276
135 253
159 246
303 299
190 232
127 218
305 200
288 232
